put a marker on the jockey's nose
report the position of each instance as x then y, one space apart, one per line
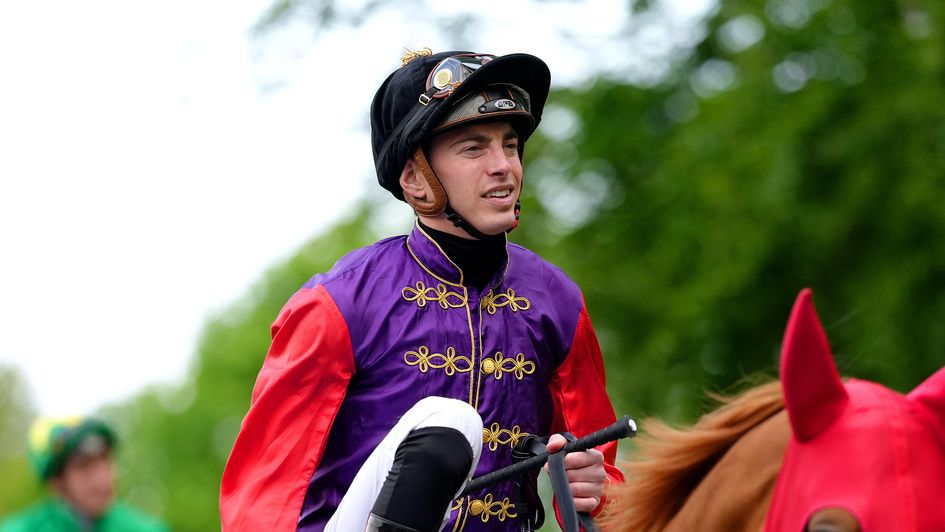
498 162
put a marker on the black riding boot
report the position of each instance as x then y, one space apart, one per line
429 467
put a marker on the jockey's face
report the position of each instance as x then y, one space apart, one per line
480 170
87 483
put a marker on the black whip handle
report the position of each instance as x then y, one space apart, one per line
622 428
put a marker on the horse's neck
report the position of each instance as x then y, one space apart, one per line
736 493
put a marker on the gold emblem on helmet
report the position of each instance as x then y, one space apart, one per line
442 78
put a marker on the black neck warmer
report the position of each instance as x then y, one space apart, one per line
479 259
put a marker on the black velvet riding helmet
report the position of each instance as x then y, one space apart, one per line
416 100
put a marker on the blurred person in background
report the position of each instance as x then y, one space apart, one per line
73 457
422 359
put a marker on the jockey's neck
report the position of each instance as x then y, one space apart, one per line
478 259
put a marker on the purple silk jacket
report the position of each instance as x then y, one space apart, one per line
521 351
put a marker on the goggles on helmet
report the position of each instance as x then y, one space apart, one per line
451 73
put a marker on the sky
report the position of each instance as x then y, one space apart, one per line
157 158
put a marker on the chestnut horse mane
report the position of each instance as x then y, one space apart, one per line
670 462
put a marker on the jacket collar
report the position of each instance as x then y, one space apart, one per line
431 257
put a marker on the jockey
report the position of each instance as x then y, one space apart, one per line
421 360
73 457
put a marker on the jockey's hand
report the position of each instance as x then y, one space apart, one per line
586 474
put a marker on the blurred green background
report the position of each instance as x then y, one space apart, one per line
798 143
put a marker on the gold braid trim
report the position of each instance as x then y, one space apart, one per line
439 294
494 436
487 508
499 365
449 362
491 302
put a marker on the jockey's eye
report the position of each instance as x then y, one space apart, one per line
833 520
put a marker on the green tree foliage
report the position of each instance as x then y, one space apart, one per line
802 144
19 485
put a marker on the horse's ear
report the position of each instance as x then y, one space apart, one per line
930 396
813 392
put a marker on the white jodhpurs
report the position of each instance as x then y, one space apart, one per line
355 507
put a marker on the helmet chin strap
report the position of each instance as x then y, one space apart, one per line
461 222
440 202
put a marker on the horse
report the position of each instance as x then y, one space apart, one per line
811 452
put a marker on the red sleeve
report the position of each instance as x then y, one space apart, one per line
296 397
580 395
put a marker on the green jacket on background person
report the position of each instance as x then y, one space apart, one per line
54 515
73 458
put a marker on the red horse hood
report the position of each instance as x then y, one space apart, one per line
858 446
